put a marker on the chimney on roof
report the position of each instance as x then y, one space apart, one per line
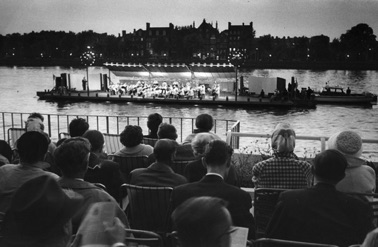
194 24
147 25
123 33
216 25
229 25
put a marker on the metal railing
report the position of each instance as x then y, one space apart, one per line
56 124
233 137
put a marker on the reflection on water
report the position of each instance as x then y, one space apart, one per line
18 86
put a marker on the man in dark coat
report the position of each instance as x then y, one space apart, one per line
217 159
159 173
321 214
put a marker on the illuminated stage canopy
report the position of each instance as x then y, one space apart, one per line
172 70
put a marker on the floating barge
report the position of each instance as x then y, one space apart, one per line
227 101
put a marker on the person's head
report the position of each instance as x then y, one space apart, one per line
200 142
218 154
36 115
6 150
283 138
347 142
153 122
96 138
203 222
164 150
204 122
167 131
329 166
72 157
34 124
78 126
131 136
32 147
39 215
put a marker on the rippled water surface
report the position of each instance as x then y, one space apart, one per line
18 86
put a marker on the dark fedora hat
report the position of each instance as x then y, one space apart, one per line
38 209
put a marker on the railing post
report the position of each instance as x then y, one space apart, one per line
49 123
107 124
323 143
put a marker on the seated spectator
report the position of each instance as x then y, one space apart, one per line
184 151
159 174
204 123
218 161
100 169
153 122
321 214
358 176
39 215
77 127
31 148
131 137
6 153
72 157
284 170
196 170
203 222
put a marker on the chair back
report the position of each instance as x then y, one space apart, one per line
13 135
112 143
271 242
264 204
129 163
372 199
149 141
142 238
149 207
178 166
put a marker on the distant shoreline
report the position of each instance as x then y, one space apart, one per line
248 65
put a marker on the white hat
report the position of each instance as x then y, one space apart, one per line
347 142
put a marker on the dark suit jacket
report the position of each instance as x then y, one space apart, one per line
156 175
320 214
239 201
195 170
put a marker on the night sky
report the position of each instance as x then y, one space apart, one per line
276 17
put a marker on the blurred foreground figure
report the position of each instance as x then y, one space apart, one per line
39 215
203 222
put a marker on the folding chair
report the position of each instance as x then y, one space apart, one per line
13 135
149 141
178 166
129 163
264 204
149 207
271 242
112 143
143 238
372 199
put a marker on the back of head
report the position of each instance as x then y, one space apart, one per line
200 142
131 136
32 147
72 156
283 138
204 122
153 122
167 131
329 166
36 115
39 213
347 142
164 150
203 222
218 153
6 150
78 126
96 138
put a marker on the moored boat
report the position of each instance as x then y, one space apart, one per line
337 95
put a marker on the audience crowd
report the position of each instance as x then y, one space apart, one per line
50 192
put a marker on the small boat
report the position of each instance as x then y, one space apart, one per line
337 95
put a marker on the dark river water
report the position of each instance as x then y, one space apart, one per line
18 86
